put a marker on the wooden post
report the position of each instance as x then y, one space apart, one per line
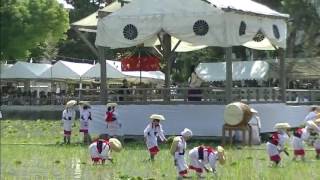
103 75
87 42
282 75
166 46
228 89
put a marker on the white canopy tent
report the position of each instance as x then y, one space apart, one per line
134 76
241 70
197 22
94 72
4 69
140 21
66 70
25 70
89 24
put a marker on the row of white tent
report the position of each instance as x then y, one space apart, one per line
64 70
242 70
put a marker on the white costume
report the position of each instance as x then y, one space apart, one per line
178 149
94 152
151 133
316 144
255 124
316 141
273 152
68 116
311 116
114 126
209 156
85 116
179 156
297 142
283 138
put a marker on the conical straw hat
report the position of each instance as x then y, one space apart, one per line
84 103
112 105
115 144
312 125
71 103
282 126
157 116
220 149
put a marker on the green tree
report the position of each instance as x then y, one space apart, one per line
73 46
28 23
303 26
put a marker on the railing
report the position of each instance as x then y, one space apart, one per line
176 96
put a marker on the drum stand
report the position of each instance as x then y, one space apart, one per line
242 128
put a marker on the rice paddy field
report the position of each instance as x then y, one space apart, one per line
34 150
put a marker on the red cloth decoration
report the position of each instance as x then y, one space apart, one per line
142 63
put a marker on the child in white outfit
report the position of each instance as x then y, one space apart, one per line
68 116
276 143
151 134
178 149
301 135
202 155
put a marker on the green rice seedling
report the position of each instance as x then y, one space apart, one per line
39 157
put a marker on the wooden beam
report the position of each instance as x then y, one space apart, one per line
103 75
282 75
158 50
86 41
228 89
166 46
176 46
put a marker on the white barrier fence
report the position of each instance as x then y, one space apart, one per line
203 120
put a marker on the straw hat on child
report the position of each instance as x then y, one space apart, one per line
112 105
115 144
84 103
282 126
312 125
157 117
220 149
71 103
186 132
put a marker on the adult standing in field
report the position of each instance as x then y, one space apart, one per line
194 93
112 120
151 134
85 117
68 117
178 149
202 155
313 114
255 124
100 150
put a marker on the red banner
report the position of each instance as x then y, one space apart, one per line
144 63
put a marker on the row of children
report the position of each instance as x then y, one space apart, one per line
199 156
100 150
310 134
68 120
